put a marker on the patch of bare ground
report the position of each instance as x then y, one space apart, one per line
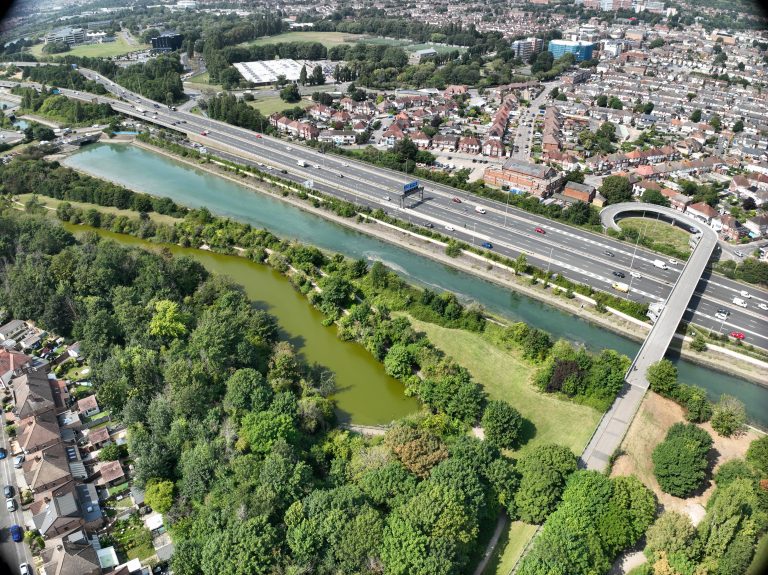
655 417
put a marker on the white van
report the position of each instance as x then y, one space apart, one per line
740 302
480 209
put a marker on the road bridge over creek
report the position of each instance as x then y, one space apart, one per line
615 422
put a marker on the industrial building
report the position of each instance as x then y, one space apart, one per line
264 72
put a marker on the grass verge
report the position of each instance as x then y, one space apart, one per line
511 545
659 232
105 50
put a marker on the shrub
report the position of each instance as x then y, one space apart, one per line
757 454
728 416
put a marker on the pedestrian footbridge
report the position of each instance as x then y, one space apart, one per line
615 422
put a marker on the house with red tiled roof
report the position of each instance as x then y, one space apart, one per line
421 139
677 200
454 90
38 432
12 363
702 212
88 406
469 145
493 148
393 134
446 142
111 473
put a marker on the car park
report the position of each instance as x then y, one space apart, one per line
619 274
736 335
487 245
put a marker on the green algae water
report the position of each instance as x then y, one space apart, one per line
365 394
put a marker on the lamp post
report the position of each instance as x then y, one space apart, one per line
549 261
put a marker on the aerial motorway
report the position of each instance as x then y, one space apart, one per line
718 304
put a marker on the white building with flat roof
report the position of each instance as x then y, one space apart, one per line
267 71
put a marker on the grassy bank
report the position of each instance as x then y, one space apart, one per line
658 232
511 546
270 104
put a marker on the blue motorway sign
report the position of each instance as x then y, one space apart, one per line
410 186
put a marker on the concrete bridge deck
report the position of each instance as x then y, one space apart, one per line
615 422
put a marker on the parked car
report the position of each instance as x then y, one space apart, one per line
10 504
736 335
18 461
619 274
8 491
25 569
3 453
739 254
17 533
488 245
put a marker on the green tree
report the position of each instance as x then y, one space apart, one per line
290 93
159 495
260 430
680 461
241 548
543 471
602 101
399 361
672 535
662 376
757 454
303 76
696 115
616 189
728 416
738 126
715 122
168 321
110 452
502 424
655 197
247 391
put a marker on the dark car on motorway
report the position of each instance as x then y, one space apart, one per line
619 274
428 225
456 200
488 245
608 253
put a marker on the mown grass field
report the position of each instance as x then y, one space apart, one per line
504 374
271 104
202 82
327 39
659 232
105 50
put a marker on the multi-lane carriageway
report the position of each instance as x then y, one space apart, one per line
575 253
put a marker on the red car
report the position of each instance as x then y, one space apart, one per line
258 135
540 231
204 133
737 335
456 200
